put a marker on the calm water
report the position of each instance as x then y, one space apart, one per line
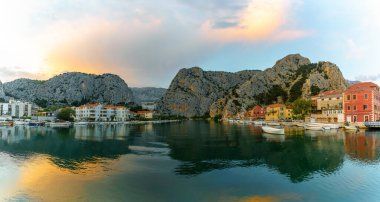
188 161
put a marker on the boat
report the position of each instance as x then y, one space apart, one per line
258 123
314 126
60 124
271 130
273 124
81 123
36 123
332 125
20 123
351 128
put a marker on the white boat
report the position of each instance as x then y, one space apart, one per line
331 125
270 130
81 123
273 124
258 123
59 124
314 126
350 128
20 123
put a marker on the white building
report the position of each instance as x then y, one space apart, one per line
16 109
99 112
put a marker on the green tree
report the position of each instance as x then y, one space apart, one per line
66 114
301 108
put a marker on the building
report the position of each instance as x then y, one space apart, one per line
256 113
151 106
328 107
361 102
99 112
145 114
276 112
16 109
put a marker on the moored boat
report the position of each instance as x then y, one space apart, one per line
351 128
59 124
36 123
314 126
271 130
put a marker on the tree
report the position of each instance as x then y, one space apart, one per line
301 108
66 114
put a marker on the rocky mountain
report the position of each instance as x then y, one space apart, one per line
193 92
148 94
71 89
2 94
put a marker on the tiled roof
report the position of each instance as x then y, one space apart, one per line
363 86
276 105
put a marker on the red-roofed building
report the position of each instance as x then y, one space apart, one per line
257 112
362 102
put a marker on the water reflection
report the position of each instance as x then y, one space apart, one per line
199 147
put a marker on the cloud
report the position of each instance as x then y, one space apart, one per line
12 73
368 77
143 41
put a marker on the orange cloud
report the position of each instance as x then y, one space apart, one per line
260 20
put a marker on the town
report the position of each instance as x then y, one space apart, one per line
357 106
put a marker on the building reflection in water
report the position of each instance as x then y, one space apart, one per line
200 147
363 146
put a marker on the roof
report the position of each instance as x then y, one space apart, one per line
276 105
88 106
331 93
114 107
362 86
143 112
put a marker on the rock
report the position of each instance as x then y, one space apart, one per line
2 94
195 92
148 94
71 89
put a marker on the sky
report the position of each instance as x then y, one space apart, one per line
147 42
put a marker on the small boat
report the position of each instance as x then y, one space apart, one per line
351 128
273 124
331 126
314 126
20 123
60 124
258 123
270 130
81 123
35 123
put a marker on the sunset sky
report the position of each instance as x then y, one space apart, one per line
147 42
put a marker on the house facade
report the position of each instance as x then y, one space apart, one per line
256 113
99 112
329 107
15 108
361 102
276 112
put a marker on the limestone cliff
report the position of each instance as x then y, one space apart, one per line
71 89
194 92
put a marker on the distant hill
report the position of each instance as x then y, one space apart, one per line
194 92
148 94
71 89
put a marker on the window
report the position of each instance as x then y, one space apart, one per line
354 97
366 118
355 118
366 96
329 98
348 107
355 107
365 107
348 97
